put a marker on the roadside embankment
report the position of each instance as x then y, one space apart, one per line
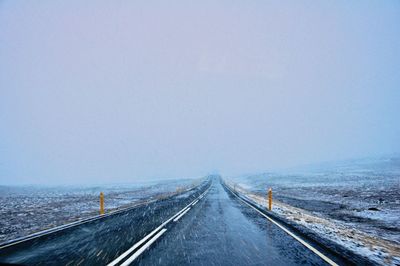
333 233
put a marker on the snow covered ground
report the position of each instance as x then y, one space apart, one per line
28 209
353 203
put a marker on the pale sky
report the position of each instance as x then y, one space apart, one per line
118 91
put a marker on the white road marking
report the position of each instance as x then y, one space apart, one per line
76 223
144 239
322 256
143 248
183 213
135 246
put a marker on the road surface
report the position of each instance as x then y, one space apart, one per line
207 226
97 242
223 231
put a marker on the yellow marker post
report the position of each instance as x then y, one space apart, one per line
270 199
101 203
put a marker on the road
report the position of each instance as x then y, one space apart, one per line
97 242
223 231
215 228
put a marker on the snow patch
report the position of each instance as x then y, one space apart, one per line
378 250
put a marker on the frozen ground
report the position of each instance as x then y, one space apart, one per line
28 209
352 196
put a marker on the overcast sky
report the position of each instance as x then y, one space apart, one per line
119 91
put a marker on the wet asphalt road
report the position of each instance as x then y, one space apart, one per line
98 242
219 230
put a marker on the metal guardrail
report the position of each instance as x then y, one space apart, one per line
103 215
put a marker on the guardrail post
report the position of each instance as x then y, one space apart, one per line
270 199
101 203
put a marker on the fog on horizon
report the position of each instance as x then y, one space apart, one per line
120 91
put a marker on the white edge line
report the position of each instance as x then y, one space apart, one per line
76 223
183 213
325 258
143 248
135 246
130 250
